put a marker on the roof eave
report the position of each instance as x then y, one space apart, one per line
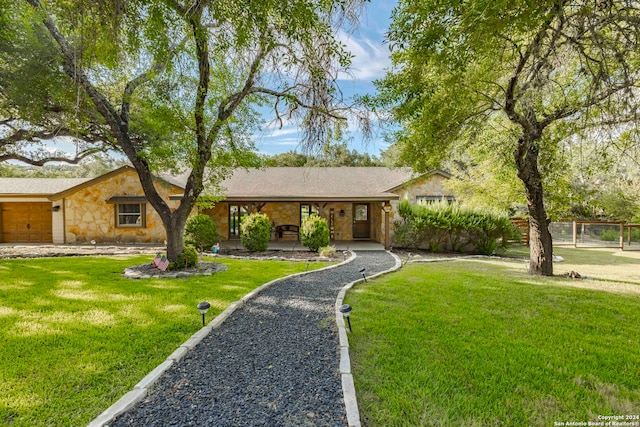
25 195
370 198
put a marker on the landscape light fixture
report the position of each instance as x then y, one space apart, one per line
346 313
363 275
203 307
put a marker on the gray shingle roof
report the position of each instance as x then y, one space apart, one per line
37 186
283 183
277 183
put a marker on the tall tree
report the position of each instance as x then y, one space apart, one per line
540 73
172 83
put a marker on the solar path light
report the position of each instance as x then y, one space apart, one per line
203 307
362 270
346 312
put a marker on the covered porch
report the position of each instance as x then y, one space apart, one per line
350 221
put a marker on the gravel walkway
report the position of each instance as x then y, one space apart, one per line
273 362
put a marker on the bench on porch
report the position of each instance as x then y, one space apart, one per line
288 229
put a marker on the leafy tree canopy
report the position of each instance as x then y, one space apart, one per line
522 77
173 85
331 155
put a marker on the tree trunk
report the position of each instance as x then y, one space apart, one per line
174 221
540 242
175 242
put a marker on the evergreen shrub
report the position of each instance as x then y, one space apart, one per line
201 232
314 232
444 226
187 259
255 230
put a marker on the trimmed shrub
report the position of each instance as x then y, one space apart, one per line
314 232
201 232
255 230
447 226
187 259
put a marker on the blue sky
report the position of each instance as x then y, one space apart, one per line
371 59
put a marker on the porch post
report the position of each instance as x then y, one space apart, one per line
387 209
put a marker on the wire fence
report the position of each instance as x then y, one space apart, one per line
596 234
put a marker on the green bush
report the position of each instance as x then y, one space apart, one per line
610 235
187 259
201 232
327 251
447 226
255 230
314 232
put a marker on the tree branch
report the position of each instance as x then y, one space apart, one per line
77 73
44 160
33 135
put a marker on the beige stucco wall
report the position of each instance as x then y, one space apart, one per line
57 223
88 216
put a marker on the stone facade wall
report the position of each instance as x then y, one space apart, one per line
288 213
432 185
88 216
282 213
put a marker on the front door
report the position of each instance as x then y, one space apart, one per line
361 221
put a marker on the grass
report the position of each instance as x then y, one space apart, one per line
76 335
481 343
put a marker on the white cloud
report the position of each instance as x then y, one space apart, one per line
371 58
275 133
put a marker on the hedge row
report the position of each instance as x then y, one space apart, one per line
448 227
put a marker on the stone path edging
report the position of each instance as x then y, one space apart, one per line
140 390
348 388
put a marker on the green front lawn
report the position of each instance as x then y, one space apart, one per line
76 335
478 343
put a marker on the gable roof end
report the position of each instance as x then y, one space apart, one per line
98 179
424 175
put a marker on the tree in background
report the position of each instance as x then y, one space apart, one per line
331 155
89 167
171 84
605 184
539 74
589 182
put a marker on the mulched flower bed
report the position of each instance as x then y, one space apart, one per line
147 271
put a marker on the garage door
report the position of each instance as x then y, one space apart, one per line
26 222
